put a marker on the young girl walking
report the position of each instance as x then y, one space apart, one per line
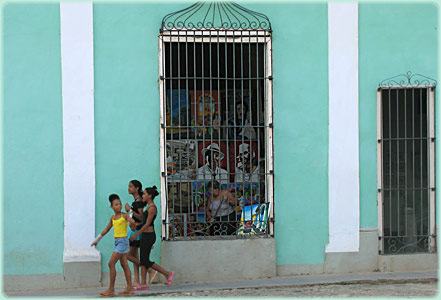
119 223
135 189
148 238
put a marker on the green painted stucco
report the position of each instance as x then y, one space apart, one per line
393 39
32 140
300 58
126 106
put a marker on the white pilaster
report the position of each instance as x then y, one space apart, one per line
76 21
344 190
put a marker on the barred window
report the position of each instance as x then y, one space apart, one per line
406 164
216 122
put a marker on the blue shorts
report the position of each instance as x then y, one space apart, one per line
122 245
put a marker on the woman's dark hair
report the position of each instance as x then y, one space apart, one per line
153 191
213 185
113 197
138 185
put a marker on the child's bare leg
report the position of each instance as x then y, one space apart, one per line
127 273
134 259
136 266
113 259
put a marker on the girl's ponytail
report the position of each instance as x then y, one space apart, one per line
153 191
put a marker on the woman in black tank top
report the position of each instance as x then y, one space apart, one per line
148 238
135 189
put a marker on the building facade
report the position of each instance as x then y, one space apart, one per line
342 128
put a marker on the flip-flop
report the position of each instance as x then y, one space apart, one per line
141 288
105 294
153 277
126 293
170 279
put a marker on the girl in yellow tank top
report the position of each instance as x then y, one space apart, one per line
119 223
120 226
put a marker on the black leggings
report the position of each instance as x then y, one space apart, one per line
147 241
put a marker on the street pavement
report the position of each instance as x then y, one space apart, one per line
380 284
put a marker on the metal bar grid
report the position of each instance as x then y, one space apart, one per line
403 153
231 125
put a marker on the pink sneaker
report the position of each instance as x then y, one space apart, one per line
170 279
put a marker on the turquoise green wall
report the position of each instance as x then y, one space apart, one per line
33 136
393 39
126 106
126 64
300 58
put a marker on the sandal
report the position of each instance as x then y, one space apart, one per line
141 288
126 293
170 279
105 294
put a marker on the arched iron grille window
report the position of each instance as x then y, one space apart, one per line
406 164
216 122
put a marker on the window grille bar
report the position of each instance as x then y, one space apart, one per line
390 165
216 78
187 146
421 160
413 151
174 187
380 169
179 166
398 163
428 116
261 194
432 191
405 146
407 139
227 109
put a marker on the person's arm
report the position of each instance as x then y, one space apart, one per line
103 233
128 219
152 213
138 214
127 207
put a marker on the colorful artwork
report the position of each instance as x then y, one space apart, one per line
196 224
181 159
205 113
178 111
177 225
253 219
200 194
245 194
215 147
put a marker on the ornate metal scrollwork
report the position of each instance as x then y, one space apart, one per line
408 79
214 230
216 15
411 244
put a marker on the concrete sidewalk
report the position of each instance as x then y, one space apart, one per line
282 281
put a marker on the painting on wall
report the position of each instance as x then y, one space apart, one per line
205 113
